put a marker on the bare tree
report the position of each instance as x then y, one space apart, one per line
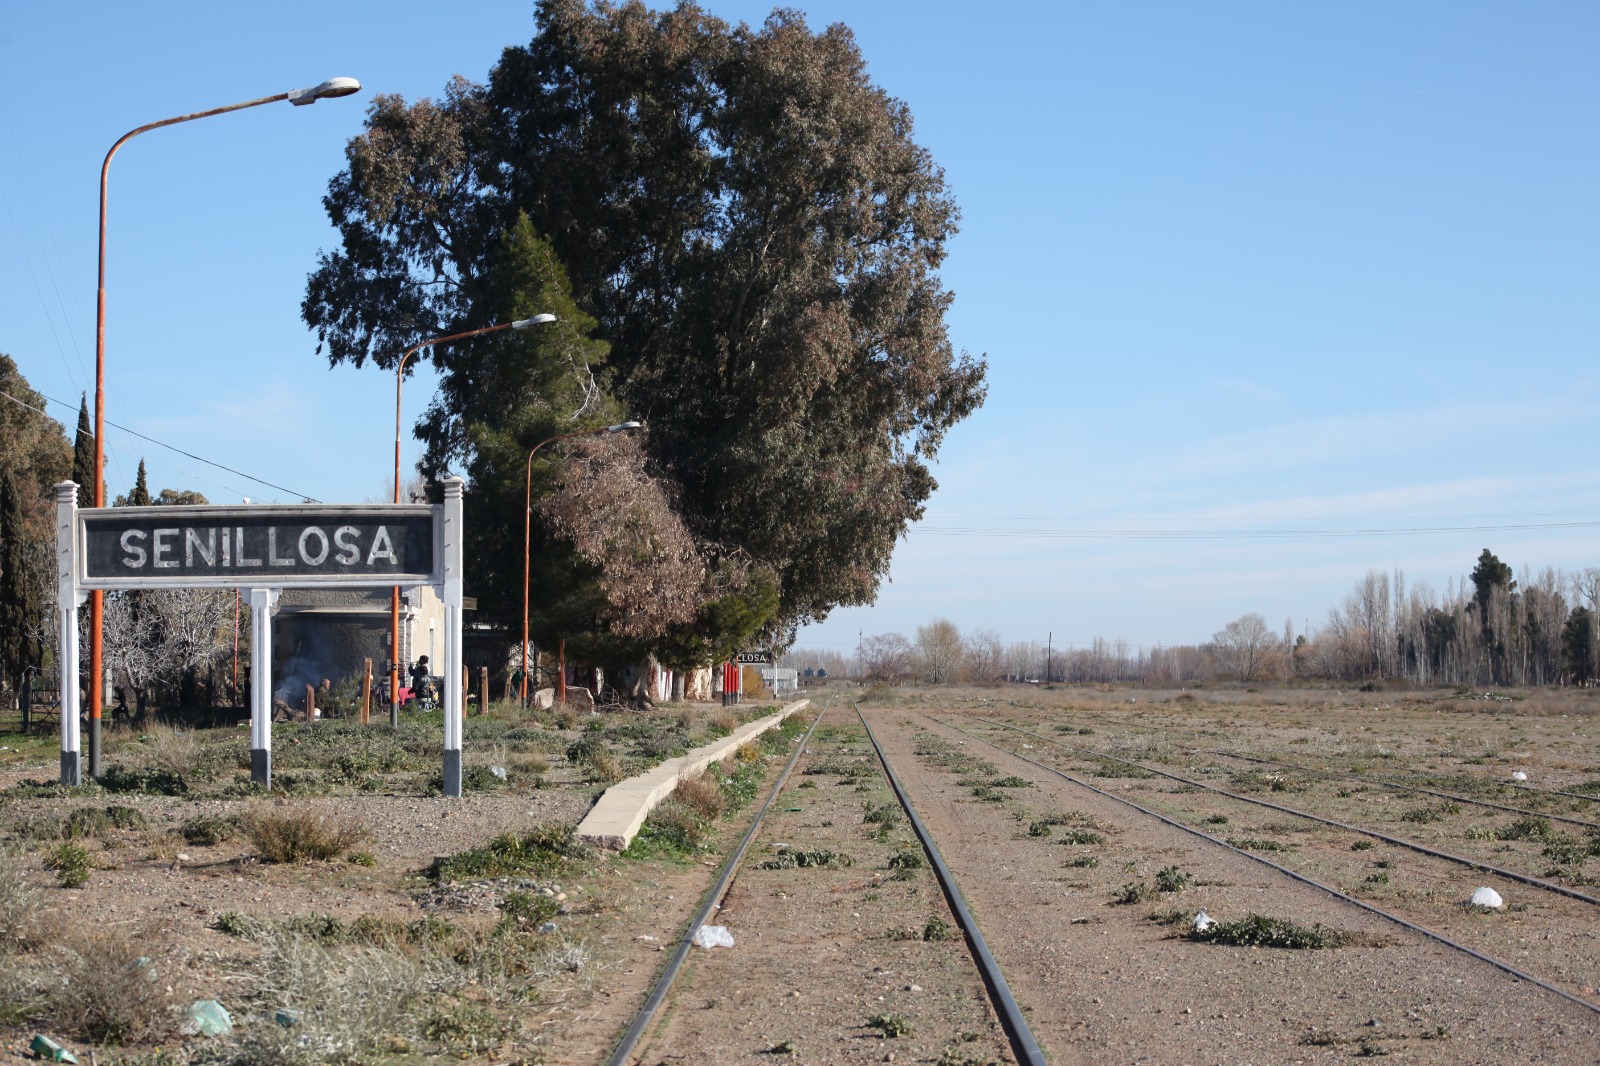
887 657
985 658
1245 647
939 652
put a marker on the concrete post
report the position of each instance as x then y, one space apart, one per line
68 600
263 602
453 668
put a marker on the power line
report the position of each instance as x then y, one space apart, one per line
169 447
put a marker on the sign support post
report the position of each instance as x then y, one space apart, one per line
263 602
68 600
450 593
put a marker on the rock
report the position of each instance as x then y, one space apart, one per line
1487 897
544 699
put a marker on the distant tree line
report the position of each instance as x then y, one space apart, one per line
1489 629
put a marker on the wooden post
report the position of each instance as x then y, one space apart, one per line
311 704
561 671
366 692
466 684
483 689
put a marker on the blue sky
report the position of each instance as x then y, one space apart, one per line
1237 267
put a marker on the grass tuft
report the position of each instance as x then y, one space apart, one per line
302 835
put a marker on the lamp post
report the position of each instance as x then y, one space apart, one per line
399 379
330 89
527 533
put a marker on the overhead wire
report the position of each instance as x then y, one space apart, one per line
169 447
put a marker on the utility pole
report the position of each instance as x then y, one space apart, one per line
1049 649
860 658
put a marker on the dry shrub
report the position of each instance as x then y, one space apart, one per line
347 998
724 722
171 750
301 835
747 753
686 718
103 989
565 715
19 902
602 767
701 794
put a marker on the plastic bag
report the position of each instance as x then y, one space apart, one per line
209 1018
713 936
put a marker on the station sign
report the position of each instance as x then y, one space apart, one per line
267 545
758 658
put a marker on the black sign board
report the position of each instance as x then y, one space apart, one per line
129 547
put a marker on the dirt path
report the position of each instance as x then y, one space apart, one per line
1107 984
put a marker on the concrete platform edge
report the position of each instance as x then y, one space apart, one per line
616 817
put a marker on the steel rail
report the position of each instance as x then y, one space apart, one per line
1022 1040
1410 788
1406 923
1475 864
658 993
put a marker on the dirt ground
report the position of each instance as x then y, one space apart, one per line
1102 981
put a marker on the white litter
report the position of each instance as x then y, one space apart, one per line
713 936
1518 775
498 771
1203 921
1487 897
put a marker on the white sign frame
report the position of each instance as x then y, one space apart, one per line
261 588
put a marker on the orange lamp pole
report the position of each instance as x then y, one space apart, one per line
399 379
333 87
527 533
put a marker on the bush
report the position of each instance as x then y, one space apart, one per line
208 830
1135 892
19 902
106 990
100 821
300 835
1258 931
1171 879
71 863
541 851
526 910
789 859
150 782
701 794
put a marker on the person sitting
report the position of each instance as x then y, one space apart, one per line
420 683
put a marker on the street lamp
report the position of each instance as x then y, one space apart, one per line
399 379
330 89
527 533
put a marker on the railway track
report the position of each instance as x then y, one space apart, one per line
1420 790
1476 864
1398 919
670 985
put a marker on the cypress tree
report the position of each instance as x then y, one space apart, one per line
83 457
19 600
